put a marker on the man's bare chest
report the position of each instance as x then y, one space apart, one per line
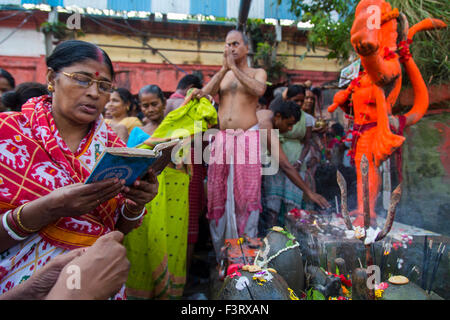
232 84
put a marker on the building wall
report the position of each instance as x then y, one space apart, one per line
25 69
187 46
201 52
134 75
23 43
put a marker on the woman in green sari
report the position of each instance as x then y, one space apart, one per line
157 249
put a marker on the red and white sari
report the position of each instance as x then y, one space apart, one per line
34 161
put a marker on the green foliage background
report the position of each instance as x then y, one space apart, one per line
263 46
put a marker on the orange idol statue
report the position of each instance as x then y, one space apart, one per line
381 37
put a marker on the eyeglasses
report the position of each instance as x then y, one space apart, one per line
85 81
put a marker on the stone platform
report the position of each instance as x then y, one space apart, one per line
322 239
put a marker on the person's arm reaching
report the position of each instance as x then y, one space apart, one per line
293 175
306 148
290 171
172 105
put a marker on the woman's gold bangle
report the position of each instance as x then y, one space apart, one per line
20 222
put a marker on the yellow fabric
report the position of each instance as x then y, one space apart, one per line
193 117
131 123
157 248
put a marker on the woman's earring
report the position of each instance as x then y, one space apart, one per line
50 88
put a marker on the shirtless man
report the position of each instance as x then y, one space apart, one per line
233 207
282 116
238 85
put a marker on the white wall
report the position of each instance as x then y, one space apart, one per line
24 43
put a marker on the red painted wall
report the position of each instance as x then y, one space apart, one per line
25 69
134 76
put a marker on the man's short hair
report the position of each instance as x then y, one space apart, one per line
189 81
294 90
244 37
286 109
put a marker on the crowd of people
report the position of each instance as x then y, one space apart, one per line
137 241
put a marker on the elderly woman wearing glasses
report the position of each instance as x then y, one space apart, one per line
46 153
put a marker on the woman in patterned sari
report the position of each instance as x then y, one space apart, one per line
46 153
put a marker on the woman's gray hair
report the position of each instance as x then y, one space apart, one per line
153 89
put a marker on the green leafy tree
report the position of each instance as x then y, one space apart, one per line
59 30
430 49
265 51
332 21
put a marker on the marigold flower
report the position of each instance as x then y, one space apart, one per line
344 290
379 293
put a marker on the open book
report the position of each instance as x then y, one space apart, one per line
131 163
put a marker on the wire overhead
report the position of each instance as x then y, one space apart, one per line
17 28
128 37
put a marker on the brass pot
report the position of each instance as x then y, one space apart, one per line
321 123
